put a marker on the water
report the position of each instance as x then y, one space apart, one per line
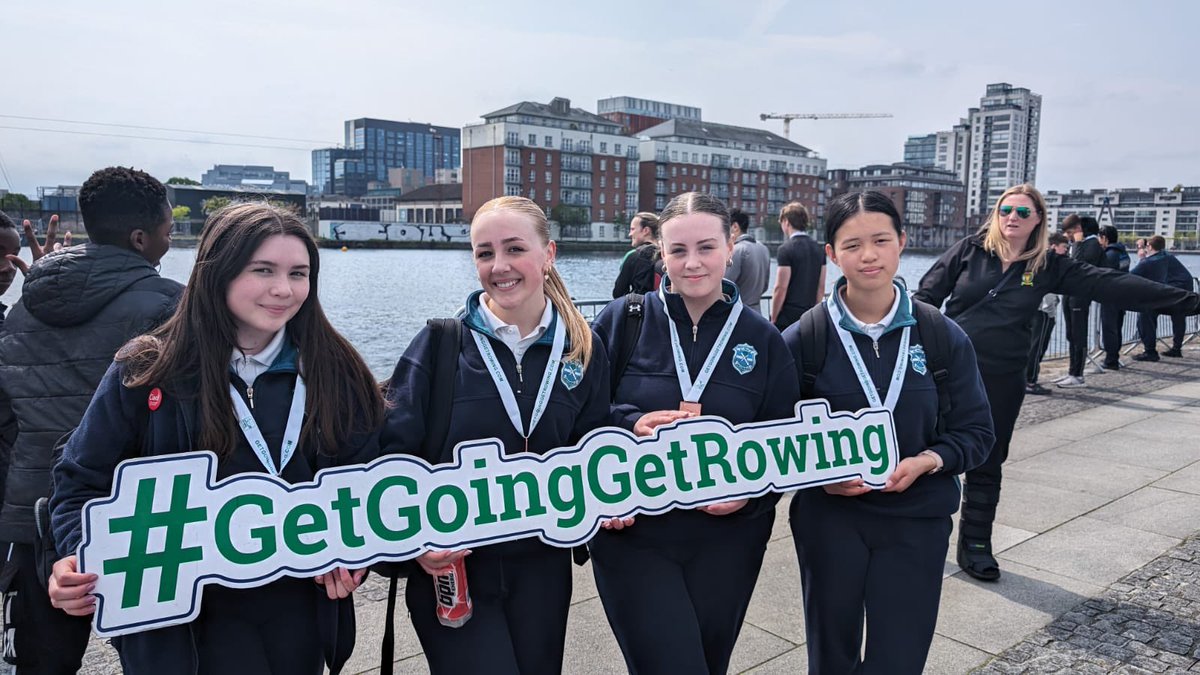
380 298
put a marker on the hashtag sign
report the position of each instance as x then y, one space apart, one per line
139 525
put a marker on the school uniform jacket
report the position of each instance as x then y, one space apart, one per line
968 434
119 425
761 384
966 275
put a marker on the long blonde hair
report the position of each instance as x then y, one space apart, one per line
578 331
1036 247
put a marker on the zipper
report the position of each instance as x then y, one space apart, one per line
520 379
250 396
875 344
695 329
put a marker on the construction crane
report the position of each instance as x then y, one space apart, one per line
788 117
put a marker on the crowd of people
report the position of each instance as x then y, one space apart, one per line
103 360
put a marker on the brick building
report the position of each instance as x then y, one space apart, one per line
931 201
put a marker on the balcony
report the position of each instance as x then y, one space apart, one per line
660 172
720 161
577 149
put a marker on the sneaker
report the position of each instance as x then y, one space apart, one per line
1146 356
1173 353
1037 389
1072 383
1111 366
1064 378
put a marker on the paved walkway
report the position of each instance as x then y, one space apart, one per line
1101 490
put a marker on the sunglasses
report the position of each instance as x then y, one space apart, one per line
1023 212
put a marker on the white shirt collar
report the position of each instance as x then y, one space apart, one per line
250 366
800 233
874 330
510 334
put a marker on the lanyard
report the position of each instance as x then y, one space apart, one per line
860 368
505 391
692 390
291 433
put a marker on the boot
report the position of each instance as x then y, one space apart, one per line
974 554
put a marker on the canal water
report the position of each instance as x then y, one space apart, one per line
379 299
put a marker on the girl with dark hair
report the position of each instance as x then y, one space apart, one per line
676 586
992 283
248 358
881 553
530 373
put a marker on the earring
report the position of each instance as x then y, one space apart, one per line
729 263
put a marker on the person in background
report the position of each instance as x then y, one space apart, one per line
800 277
1112 318
1042 327
78 306
1087 249
1163 268
992 283
750 266
637 273
1142 249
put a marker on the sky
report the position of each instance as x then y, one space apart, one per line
1119 80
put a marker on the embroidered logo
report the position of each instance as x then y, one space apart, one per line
572 374
916 358
155 399
744 358
1027 279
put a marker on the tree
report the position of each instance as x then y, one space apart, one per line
567 216
15 201
180 213
213 204
1178 187
619 218
180 180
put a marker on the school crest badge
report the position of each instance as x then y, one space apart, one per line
916 358
572 374
1027 279
744 358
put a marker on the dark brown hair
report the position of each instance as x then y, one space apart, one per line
192 348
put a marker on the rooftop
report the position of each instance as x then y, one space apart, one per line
707 132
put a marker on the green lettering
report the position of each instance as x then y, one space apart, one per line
411 514
836 437
293 530
760 460
265 534
577 501
677 454
433 508
508 484
483 496
650 467
822 460
345 505
621 478
790 456
878 454
701 441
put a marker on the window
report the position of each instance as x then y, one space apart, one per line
532 194
603 147
547 194
547 176
532 176
549 144
533 158
672 186
673 172
603 180
695 157
549 160
601 197
601 214
511 138
617 148
603 164
674 155
533 139
616 165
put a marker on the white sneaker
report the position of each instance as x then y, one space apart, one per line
1071 382
1064 378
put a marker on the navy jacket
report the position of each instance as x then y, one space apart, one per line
118 425
1116 257
478 412
767 391
963 445
1165 268
999 324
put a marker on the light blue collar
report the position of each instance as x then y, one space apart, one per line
904 316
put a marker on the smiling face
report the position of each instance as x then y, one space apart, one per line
696 251
867 249
512 261
269 290
1013 227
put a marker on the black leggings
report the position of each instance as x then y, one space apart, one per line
981 494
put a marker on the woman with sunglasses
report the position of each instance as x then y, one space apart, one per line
992 283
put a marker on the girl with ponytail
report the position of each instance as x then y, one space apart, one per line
521 336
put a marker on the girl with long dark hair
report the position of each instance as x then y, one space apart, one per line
248 358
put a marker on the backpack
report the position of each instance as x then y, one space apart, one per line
446 336
635 312
931 326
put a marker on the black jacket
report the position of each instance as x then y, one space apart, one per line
1087 251
637 271
77 308
994 308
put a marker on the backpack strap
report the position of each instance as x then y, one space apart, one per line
635 313
935 336
813 329
446 337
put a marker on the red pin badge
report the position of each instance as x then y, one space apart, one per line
155 399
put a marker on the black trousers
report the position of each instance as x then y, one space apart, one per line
1111 320
1148 329
1043 328
981 493
518 624
855 563
1077 328
48 641
678 606
269 629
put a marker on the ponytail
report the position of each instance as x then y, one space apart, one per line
578 331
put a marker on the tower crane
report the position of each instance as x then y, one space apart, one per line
788 117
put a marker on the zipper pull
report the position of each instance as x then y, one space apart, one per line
520 379
875 344
250 396
695 329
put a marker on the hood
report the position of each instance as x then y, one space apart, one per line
1118 246
904 315
69 287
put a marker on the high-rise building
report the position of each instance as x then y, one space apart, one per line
1004 142
555 155
338 171
751 169
380 145
920 150
638 114
931 201
990 150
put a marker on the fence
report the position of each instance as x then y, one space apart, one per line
1058 339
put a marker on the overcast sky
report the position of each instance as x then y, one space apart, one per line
1119 80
